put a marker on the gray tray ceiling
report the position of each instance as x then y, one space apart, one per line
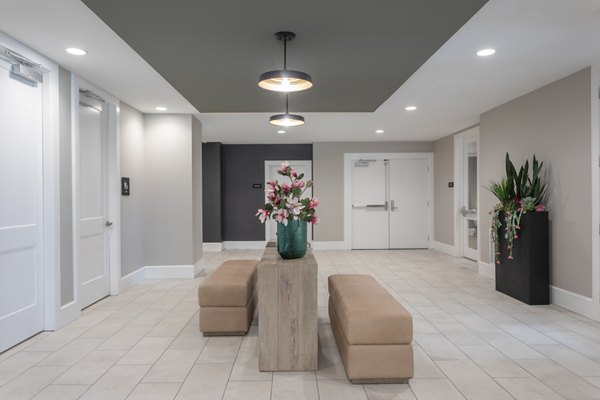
358 52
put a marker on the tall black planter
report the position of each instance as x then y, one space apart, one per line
527 276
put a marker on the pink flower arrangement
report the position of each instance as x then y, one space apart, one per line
285 202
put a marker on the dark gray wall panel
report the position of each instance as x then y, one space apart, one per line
212 223
244 165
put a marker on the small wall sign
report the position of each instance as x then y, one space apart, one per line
125 186
257 186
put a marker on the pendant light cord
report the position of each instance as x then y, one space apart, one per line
285 53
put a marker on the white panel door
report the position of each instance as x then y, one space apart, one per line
369 204
409 225
469 200
303 167
21 205
93 263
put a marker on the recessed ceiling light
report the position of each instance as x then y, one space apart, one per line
76 51
485 52
380 131
281 132
161 108
410 108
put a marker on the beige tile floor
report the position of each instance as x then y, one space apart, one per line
470 343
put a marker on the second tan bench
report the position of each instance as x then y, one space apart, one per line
228 299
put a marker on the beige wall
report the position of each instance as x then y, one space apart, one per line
168 214
443 172
131 142
197 187
328 174
554 122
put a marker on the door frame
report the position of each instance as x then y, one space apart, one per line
459 189
112 186
277 163
51 182
350 157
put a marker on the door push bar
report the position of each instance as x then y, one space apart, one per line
371 206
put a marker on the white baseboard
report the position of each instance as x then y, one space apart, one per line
329 245
244 245
198 267
487 270
132 279
169 271
67 314
212 247
574 302
444 248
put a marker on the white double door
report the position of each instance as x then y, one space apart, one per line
21 210
94 227
390 203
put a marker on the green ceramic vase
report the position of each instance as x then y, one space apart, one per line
291 239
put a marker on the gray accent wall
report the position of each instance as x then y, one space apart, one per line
244 165
443 172
168 214
328 174
66 192
554 122
131 142
212 187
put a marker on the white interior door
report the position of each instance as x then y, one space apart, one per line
271 167
21 210
409 203
93 265
369 204
469 200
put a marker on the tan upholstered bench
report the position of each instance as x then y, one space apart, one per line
228 298
372 330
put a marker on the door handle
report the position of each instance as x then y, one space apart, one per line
465 211
392 206
108 224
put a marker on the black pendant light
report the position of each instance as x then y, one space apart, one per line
286 119
285 80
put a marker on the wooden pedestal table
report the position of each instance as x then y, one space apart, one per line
287 316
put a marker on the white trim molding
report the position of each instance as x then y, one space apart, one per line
212 246
341 245
486 269
244 245
574 302
444 247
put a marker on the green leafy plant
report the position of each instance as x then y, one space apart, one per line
517 193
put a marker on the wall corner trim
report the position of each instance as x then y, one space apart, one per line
574 302
132 279
244 245
487 270
444 248
66 314
340 245
212 247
